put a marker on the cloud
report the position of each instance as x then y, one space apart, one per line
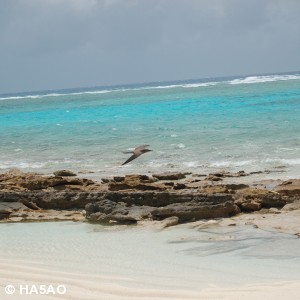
70 43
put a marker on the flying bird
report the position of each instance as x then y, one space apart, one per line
136 153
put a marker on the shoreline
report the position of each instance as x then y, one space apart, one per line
165 236
115 288
227 274
167 199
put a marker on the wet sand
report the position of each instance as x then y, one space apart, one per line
200 260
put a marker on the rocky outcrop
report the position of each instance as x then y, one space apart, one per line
15 180
289 188
134 198
169 176
63 173
249 199
133 207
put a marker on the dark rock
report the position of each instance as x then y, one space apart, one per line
199 175
235 187
169 176
119 178
193 211
179 186
141 187
169 183
241 173
106 211
106 180
212 177
273 200
30 204
138 178
133 207
64 173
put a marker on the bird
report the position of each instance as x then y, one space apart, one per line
136 153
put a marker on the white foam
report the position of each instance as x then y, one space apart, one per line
180 146
191 164
232 163
192 85
195 85
54 95
261 79
249 79
287 161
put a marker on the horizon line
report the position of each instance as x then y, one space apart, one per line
112 86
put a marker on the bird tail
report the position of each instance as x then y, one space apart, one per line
127 152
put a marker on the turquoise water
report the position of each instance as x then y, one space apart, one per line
246 123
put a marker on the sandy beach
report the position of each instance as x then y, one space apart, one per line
84 286
171 235
150 275
249 256
150 150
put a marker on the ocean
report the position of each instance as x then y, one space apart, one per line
249 123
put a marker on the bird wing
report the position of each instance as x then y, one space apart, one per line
139 148
132 157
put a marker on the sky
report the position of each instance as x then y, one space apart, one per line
56 44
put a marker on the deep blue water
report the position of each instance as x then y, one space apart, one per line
250 123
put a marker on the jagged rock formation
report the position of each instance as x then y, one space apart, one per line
131 198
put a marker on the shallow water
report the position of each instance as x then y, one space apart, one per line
250 123
181 257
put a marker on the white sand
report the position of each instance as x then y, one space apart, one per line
195 261
84 286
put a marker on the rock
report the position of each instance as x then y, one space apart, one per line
289 187
171 221
274 210
140 187
169 176
86 172
159 225
106 180
137 177
119 178
193 211
292 206
64 173
241 173
249 199
179 186
106 211
130 208
250 206
30 204
199 175
8 209
19 181
273 200
212 177
234 186
134 198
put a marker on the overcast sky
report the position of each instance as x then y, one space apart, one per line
53 44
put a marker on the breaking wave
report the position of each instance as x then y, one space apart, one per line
261 79
185 85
